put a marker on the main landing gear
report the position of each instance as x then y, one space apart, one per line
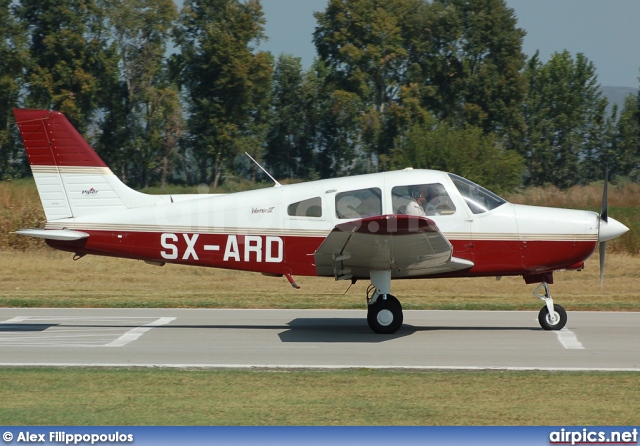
552 316
384 312
384 315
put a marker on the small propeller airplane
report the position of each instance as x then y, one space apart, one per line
403 224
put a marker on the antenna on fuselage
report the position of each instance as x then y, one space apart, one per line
264 170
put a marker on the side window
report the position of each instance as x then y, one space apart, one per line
306 208
359 203
422 200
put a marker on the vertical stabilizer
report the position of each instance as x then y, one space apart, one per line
71 178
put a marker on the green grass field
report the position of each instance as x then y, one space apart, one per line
54 396
120 283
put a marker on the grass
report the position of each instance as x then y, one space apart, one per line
53 396
103 282
20 208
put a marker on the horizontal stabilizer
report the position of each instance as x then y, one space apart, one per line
54 234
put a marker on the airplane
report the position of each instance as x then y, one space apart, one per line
405 224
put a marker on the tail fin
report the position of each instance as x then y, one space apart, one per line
71 178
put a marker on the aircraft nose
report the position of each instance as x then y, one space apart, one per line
611 229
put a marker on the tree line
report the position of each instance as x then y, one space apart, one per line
177 96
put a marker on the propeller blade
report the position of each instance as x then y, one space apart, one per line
604 212
604 216
603 249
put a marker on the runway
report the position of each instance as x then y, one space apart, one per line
226 338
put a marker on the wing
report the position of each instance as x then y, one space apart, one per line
406 245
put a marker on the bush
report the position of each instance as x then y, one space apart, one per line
20 208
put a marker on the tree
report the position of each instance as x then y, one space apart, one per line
460 59
70 60
283 155
314 131
361 42
467 57
227 86
465 151
339 136
141 123
599 149
564 113
12 60
627 149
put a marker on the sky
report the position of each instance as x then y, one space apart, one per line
607 32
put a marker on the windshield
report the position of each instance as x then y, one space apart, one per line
477 197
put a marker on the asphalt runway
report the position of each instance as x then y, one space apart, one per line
224 338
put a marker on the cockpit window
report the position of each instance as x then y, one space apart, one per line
423 200
477 197
359 203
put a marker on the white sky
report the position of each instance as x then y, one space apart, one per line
607 32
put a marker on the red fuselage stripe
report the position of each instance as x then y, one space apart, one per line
295 254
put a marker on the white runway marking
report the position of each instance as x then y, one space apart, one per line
16 320
135 333
78 331
569 340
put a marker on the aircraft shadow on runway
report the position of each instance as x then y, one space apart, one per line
356 330
26 327
329 330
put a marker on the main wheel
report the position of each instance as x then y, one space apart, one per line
560 317
385 315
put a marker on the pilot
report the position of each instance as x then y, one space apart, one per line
418 197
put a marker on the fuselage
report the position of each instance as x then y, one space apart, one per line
277 230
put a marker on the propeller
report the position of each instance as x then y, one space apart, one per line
609 227
604 217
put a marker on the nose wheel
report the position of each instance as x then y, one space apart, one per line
552 321
552 316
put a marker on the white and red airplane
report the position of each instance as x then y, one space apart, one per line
378 227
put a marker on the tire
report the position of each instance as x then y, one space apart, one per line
545 321
385 316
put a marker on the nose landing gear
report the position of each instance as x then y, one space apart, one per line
552 316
